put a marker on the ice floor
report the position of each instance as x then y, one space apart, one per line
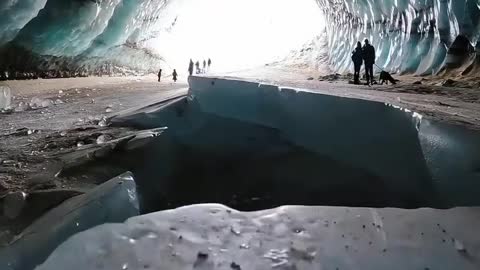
252 147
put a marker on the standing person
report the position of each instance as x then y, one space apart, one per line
209 63
197 65
357 62
190 67
174 75
159 74
204 66
368 53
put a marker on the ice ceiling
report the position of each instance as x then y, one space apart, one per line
415 36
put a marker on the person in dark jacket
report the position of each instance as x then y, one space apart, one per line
190 67
174 75
159 74
368 53
357 62
197 65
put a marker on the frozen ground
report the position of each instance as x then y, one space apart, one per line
33 142
459 105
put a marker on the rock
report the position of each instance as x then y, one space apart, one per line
58 101
448 83
13 204
3 185
102 139
21 107
108 110
310 79
5 237
417 82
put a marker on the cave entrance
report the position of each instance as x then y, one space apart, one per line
235 34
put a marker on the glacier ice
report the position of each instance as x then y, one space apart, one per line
264 146
290 237
413 36
113 201
410 35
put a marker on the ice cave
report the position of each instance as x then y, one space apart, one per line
236 134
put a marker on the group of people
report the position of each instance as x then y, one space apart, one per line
363 55
206 66
174 75
199 70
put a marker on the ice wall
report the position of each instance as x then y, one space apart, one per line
79 34
413 36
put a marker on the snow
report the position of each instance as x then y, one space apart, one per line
200 237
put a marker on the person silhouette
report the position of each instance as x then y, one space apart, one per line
204 66
357 62
209 63
174 75
197 65
368 55
159 74
190 67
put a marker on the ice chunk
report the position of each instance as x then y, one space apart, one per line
164 240
37 103
113 201
5 97
103 122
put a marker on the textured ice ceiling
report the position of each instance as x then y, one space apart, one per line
414 36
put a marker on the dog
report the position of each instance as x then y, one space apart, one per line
385 77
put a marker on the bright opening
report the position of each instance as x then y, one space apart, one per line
235 34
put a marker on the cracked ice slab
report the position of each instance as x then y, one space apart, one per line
299 147
291 237
113 201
